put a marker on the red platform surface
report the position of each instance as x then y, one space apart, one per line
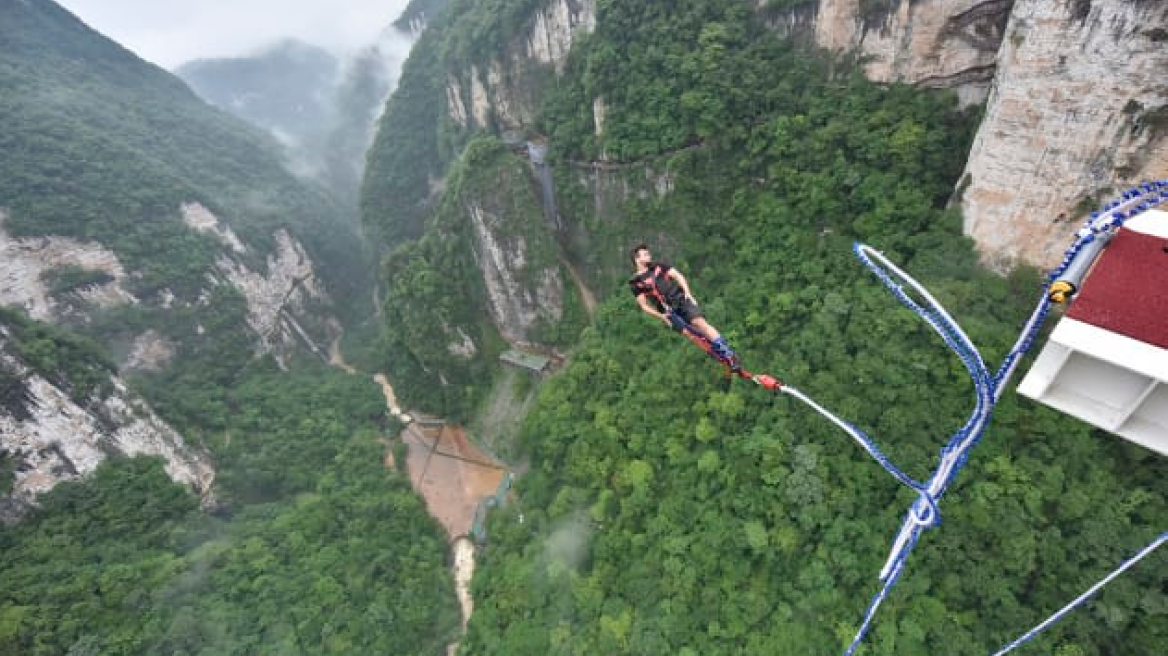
1127 290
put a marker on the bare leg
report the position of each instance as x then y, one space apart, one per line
709 331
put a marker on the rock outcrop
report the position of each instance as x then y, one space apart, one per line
27 264
1079 111
275 297
950 44
517 306
57 440
498 94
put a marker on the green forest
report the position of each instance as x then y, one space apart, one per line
669 511
308 543
310 546
662 508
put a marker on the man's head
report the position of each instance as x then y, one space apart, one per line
640 255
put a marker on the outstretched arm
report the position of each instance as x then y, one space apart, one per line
649 309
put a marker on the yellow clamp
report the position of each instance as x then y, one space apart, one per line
1061 291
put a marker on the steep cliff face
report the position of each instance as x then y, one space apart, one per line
275 298
523 292
27 266
53 439
949 44
485 276
499 93
511 239
1079 111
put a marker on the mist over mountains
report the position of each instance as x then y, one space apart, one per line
286 88
321 105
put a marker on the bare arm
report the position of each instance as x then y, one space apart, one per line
649 309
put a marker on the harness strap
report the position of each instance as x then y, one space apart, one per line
651 282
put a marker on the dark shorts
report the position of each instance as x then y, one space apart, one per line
688 311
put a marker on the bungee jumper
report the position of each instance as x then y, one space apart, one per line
663 292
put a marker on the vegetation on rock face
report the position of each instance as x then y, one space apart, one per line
667 513
316 547
109 147
415 204
77 365
416 138
436 298
325 551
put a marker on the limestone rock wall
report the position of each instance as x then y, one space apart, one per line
1079 111
496 94
61 441
275 297
951 44
26 262
520 294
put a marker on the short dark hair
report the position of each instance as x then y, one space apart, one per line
636 249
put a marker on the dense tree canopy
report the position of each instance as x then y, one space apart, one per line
317 547
669 512
663 510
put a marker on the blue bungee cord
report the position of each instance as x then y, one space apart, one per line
924 513
1127 564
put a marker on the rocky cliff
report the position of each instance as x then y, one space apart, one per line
276 296
27 266
501 93
950 44
1079 111
50 438
64 438
523 291
1077 103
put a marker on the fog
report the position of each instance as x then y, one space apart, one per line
171 32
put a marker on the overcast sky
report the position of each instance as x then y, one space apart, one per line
171 32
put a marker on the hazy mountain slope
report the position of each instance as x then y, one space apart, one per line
320 106
105 147
286 88
166 229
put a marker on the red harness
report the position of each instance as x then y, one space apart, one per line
651 286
